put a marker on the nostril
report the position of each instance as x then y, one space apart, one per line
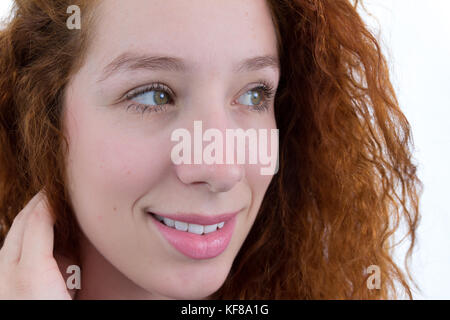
218 177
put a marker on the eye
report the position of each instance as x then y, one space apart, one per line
258 98
153 98
253 97
156 97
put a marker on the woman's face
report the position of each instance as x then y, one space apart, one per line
119 163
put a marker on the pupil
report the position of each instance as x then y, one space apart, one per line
160 97
255 95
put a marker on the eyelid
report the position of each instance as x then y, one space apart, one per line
157 86
163 87
267 87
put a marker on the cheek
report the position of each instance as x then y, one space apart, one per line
126 166
111 166
261 174
118 168
258 184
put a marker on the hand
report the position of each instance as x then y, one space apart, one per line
28 269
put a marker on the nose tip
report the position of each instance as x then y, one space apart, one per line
218 177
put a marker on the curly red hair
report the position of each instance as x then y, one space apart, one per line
346 180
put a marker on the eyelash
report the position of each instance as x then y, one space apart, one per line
265 87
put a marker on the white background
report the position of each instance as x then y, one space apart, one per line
416 39
415 35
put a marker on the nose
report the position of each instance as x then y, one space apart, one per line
216 177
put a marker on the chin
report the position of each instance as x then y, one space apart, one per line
196 284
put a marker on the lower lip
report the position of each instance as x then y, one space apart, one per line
197 246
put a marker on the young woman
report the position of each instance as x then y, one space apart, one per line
87 117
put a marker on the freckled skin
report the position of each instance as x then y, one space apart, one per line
124 157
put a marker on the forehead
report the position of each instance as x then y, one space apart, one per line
202 31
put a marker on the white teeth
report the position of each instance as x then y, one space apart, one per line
169 222
210 228
189 227
195 228
182 226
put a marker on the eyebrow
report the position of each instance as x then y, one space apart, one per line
131 61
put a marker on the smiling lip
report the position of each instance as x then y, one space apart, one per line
198 219
197 246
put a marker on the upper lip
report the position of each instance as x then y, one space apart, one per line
202 219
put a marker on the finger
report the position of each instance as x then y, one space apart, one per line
12 246
38 235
